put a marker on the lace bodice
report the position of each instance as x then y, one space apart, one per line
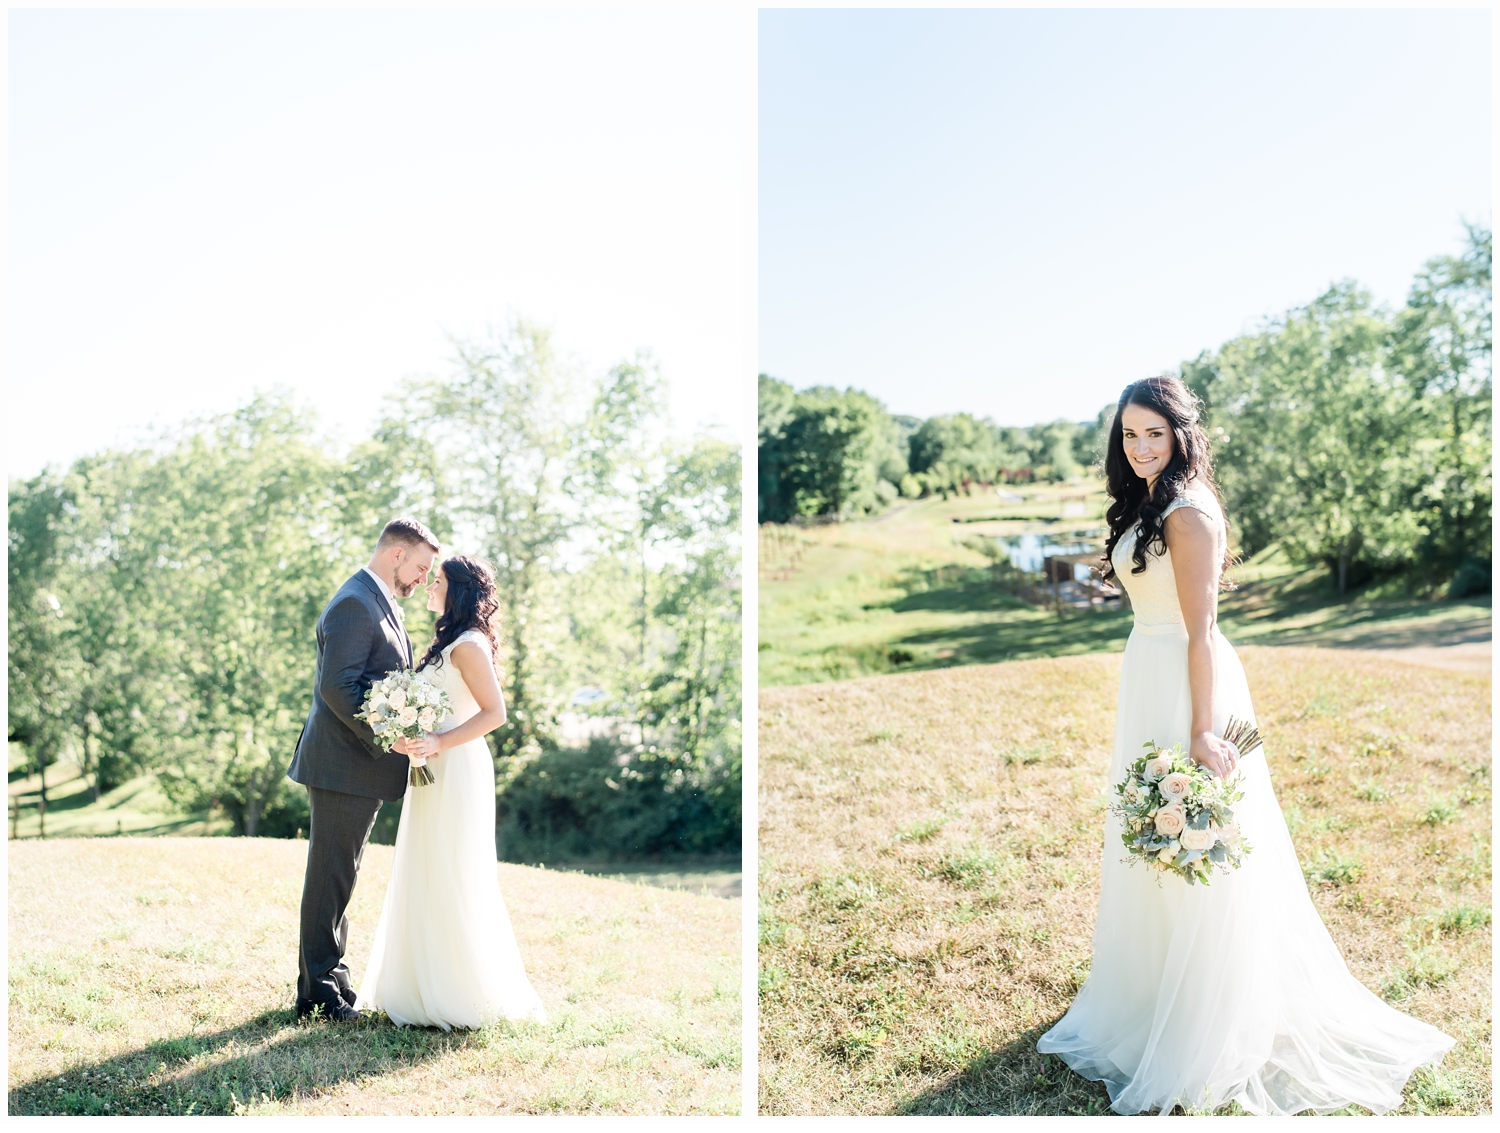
1153 593
447 677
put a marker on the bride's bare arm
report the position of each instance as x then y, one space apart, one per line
478 672
1195 563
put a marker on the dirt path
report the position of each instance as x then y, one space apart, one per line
1466 657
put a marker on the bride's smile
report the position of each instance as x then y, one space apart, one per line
1148 441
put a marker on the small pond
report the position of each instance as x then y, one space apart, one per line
1027 551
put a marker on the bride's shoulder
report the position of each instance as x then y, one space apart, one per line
1200 497
473 635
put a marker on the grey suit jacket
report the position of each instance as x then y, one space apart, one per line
360 640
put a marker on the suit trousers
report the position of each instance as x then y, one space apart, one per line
336 839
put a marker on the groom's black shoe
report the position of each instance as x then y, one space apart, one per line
336 1012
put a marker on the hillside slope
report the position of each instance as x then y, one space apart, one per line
157 975
929 853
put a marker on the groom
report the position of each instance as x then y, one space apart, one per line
347 775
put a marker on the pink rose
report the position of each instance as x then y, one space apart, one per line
1197 839
1170 820
1175 786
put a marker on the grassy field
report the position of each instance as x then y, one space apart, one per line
929 854
157 975
901 593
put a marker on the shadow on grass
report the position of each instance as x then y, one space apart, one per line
1362 627
1303 609
1029 634
269 1057
950 590
1013 1080
1258 614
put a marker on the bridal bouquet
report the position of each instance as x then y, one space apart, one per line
403 706
1178 817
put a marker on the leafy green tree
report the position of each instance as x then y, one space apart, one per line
949 452
774 410
37 670
1052 450
1441 345
243 536
1315 448
506 428
832 454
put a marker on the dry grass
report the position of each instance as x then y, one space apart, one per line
157 975
929 866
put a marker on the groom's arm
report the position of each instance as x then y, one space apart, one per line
349 632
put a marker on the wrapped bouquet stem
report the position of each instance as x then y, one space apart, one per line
403 706
1178 817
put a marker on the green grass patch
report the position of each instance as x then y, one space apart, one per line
903 592
1329 867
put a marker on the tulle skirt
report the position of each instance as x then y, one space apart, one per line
1199 995
444 953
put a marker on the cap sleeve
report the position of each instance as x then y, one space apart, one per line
1201 499
468 635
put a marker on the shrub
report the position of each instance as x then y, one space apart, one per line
619 802
1473 577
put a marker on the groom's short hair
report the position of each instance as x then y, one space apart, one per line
408 533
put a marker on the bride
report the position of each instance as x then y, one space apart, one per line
1200 996
444 953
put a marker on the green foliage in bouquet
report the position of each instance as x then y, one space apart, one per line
1178 817
403 706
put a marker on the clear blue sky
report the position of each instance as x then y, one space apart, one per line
1014 213
204 203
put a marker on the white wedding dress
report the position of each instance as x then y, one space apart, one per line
444 953
1200 996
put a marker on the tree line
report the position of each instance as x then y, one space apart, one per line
830 452
162 599
1352 435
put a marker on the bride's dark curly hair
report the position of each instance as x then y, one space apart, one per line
1191 462
472 604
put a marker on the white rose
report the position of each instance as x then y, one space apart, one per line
1175 786
427 718
398 699
1197 839
407 716
1157 767
1170 820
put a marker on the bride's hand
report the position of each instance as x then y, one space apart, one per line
1217 754
424 747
